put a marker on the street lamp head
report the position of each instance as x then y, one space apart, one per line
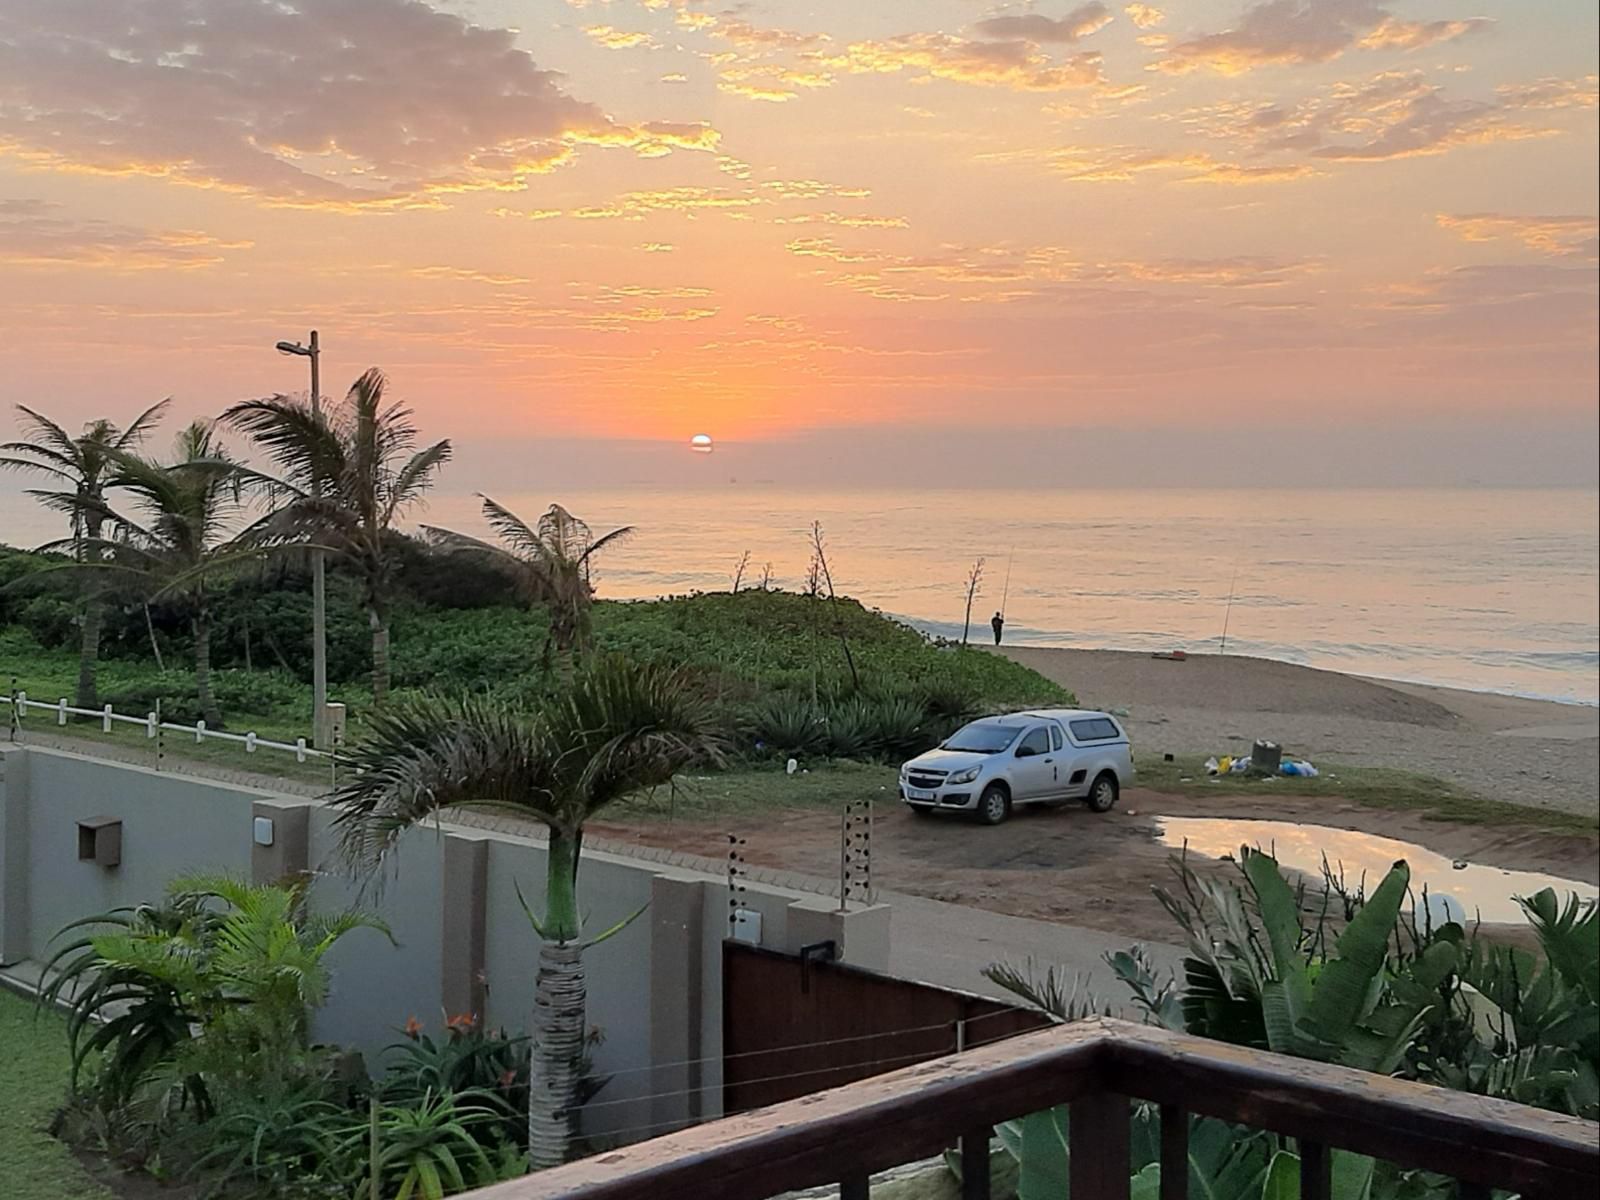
292 348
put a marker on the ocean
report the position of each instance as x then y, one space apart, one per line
1493 590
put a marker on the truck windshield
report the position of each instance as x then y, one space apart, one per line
982 738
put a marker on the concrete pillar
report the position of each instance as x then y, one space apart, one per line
676 999
14 881
289 852
464 894
861 934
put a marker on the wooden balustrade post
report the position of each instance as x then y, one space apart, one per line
975 1164
1098 1158
1174 1153
1316 1170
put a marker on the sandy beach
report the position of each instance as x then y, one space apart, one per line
1533 752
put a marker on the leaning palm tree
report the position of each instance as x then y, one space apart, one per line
551 565
77 468
619 728
179 537
347 475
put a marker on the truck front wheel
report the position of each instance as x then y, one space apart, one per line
994 805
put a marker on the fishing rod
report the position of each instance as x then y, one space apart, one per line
1005 592
1228 612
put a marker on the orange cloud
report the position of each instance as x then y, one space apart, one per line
613 38
1551 93
1036 27
1011 64
1145 16
1548 235
33 233
232 95
1299 32
1395 34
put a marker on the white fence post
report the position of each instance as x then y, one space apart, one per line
250 742
22 705
61 712
300 749
105 719
150 725
199 732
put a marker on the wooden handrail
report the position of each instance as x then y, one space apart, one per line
856 1130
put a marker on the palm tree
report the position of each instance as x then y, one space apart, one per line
551 564
180 537
78 466
619 728
347 476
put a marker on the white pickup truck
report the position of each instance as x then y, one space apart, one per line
994 764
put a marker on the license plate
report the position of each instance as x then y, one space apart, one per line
918 794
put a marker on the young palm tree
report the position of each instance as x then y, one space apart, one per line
347 474
78 467
621 727
180 538
550 563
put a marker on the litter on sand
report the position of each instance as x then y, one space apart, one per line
1228 765
1171 655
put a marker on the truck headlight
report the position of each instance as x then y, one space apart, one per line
966 776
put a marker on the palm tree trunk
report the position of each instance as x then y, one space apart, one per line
202 669
89 650
380 654
559 1000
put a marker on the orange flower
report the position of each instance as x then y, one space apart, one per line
413 1028
461 1023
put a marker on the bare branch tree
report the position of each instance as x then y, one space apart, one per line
974 586
739 569
820 570
766 578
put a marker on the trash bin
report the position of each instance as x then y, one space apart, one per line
1266 757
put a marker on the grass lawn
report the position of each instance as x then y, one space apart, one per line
33 1081
826 785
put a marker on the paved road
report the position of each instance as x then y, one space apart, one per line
950 944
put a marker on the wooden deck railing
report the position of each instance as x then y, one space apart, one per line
1098 1067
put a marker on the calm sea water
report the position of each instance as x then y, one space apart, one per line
1491 590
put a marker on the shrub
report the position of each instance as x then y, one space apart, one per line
468 1060
789 724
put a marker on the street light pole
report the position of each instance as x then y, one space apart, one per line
319 597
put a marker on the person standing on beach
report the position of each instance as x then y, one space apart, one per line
998 624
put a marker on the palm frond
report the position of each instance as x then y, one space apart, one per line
47 433
513 530
141 426
414 478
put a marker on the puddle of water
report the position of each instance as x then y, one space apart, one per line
1473 893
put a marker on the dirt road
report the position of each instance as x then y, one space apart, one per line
1074 867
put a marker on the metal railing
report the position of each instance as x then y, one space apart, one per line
1099 1067
155 727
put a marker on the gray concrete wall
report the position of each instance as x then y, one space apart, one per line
461 942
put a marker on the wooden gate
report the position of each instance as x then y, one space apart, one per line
791 1027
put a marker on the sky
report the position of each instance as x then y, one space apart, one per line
851 241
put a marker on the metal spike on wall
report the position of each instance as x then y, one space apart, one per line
736 875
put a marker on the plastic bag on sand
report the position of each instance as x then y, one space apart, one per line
1239 766
1303 769
1212 766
